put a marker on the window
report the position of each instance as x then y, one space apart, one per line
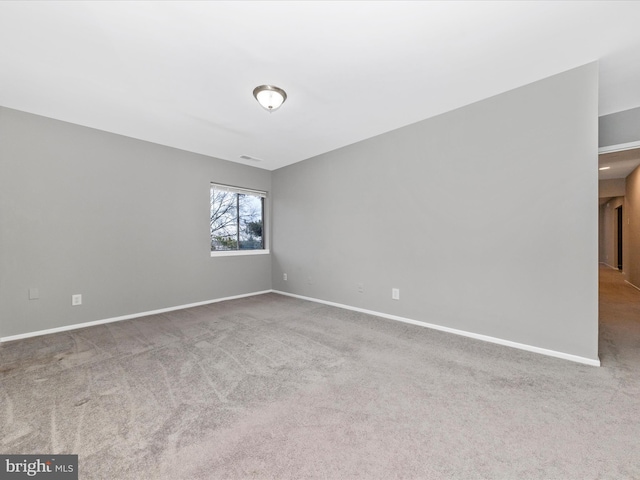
237 220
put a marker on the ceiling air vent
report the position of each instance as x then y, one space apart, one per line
247 157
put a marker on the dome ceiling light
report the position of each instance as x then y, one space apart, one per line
269 97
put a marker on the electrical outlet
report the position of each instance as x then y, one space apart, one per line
360 287
284 277
34 294
309 280
76 300
395 294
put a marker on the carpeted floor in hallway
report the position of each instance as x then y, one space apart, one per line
271 387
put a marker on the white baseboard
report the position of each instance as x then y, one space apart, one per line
477 336
485 338
75 326
634 286
610 266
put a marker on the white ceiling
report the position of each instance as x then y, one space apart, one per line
182 73
620 163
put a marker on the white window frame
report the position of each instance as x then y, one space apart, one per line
246 191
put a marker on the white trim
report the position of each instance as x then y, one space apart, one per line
485 338
619 147
235 253
610 266
477 336
124 317
243 191
634 286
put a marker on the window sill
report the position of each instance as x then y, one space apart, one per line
235 253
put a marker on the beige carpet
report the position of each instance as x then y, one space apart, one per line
274 387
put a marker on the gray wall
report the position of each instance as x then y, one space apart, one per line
485 218
619 128
121 221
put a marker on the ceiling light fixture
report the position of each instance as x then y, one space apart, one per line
269 97
604 168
